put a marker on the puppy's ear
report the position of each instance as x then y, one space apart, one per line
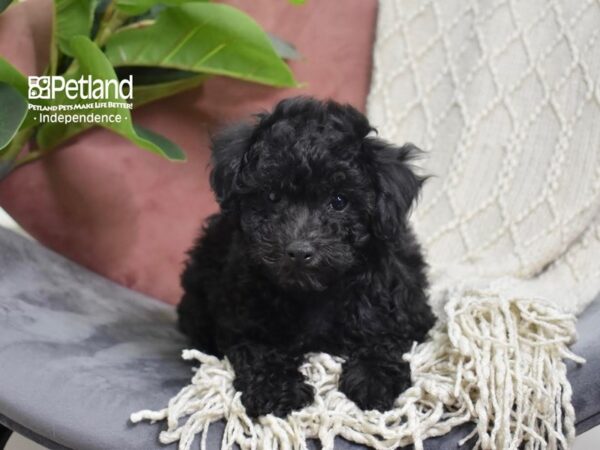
397 186
229 148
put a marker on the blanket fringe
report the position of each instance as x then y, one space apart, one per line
496 361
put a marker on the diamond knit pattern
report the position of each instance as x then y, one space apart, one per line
504 97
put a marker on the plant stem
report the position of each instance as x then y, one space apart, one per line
29 158
16 145
14 149
111 20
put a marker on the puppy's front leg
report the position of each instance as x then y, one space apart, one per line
375 375
269 380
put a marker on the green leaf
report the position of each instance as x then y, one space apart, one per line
172 150
202 37
153 75
13 109
143 94
137 7
73 18
10 75
153 83
4 4
92 62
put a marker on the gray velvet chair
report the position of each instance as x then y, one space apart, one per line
79 353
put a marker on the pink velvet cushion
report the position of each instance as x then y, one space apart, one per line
130 215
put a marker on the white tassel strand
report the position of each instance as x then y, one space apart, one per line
497 362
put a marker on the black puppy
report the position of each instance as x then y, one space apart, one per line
311 252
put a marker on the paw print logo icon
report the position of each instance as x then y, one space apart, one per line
39 88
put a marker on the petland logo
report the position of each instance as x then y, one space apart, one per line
85 88
60 100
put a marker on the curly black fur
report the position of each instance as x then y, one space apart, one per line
311 252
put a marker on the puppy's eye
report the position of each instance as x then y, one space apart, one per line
274 197
338 202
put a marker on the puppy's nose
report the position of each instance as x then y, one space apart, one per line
300 252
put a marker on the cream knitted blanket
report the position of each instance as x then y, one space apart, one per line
505 97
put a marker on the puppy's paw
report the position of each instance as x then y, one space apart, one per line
374 386
278 399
